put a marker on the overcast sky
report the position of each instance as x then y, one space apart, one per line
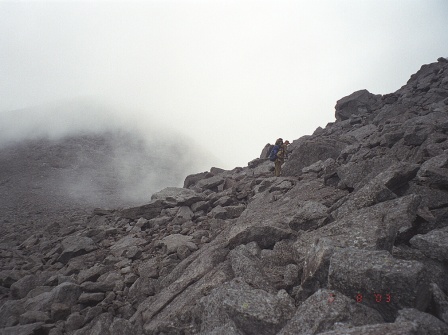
231 75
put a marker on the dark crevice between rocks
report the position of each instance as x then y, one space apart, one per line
419 226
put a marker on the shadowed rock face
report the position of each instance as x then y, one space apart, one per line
350 240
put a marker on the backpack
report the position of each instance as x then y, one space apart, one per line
273 154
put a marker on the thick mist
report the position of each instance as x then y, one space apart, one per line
121 168
91 154
232 75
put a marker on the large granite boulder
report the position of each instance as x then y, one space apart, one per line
251 311
176 197
328 310
433 244
379 281
73 246
360 103
309 151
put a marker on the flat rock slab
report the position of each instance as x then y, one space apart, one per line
427 323
321 311
125 243
248 267
175 196
265 236
173 242
379 281
32 328
440 302
74 246
185 306
371 228
309 216
253 311
148 211
206 259
67 293
379 189
25 284
90 298
211 183
433 244
91 274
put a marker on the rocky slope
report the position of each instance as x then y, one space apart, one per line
353 239
45 180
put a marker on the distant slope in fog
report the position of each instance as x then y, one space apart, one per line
42 177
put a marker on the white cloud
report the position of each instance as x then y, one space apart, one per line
233 75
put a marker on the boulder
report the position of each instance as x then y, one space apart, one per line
309 216
24 285
326 310
433 244
379 189
176 197
10 312
99 325
171 243
379 281
120 247
361 169
183 215
9 277
211 183
74 246
149 268
122 326
192 179
360 103
363 132
90 298
439 302
427 324
92 273
142 288
249 268
434 172
316 264
228 212
372 228
33 328
266 150
199 271
310 151
148 211
252 311
74 321
66 293
89 286
33 317
59 311
265 236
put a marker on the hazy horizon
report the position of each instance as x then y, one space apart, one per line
229 76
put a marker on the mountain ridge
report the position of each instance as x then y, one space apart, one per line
351 239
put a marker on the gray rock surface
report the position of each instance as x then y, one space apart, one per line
384 283
327 308
360 103
433 244
351 239
73 246
252 311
